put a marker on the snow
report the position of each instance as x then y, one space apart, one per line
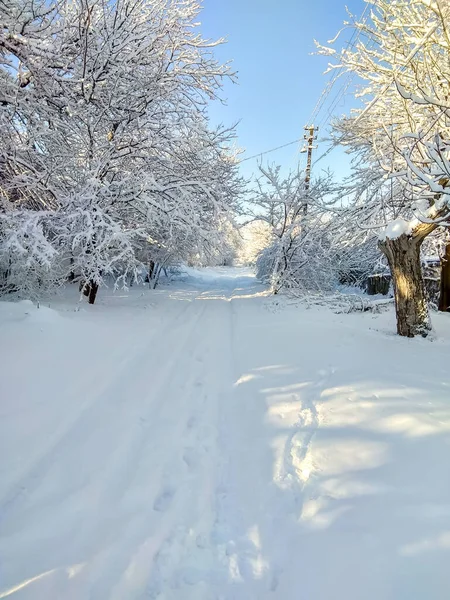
208 441
397 228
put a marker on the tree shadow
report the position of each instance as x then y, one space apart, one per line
351 495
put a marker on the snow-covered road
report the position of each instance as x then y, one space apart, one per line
201 442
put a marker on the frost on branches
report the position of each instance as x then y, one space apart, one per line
400 138
313 246
105 146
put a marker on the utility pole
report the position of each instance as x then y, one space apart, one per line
310 138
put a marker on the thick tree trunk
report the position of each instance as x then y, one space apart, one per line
89 289
151 269
444 299
403 254
93 289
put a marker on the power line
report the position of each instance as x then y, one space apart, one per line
371 104
321 101
271 150
341 91
338 73
335 102
327 152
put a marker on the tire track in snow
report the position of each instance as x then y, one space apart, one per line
116 496
159 547
193 563
149 516
136 491
127 362
187 565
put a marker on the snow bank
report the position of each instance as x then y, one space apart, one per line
25 310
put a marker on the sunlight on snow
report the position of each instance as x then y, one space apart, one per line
25 583
245 379
75 569
226 297
427 545
233 568
258 563
288 467
341 488
71 572
327 469
279 472
334 456
285 414
348 406
314 513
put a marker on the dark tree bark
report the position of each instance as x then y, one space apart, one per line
93 289
151 270
403 255
157 273
72 273
444 299
84 287
378 284
89 289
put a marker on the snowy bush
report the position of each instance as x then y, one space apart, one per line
28 260
314 247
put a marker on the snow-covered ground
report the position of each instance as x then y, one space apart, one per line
203 442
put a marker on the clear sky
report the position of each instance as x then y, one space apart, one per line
279 82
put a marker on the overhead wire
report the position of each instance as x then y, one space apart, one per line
321 102
337 73
269 151
371 104
342 91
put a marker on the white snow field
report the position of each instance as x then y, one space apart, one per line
201 442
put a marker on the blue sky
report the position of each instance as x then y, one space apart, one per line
279 81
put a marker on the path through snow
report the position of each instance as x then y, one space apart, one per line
199 442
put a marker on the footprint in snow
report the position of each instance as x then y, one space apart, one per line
164 499
275 580
192 422
191 457
204 432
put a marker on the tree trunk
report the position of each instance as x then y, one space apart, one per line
156 274
403 254
281 267
444 299
72 273
84 287
151 268
93 289
378 284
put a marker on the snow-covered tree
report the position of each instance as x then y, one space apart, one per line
400 137
103 125
255 236
297 256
